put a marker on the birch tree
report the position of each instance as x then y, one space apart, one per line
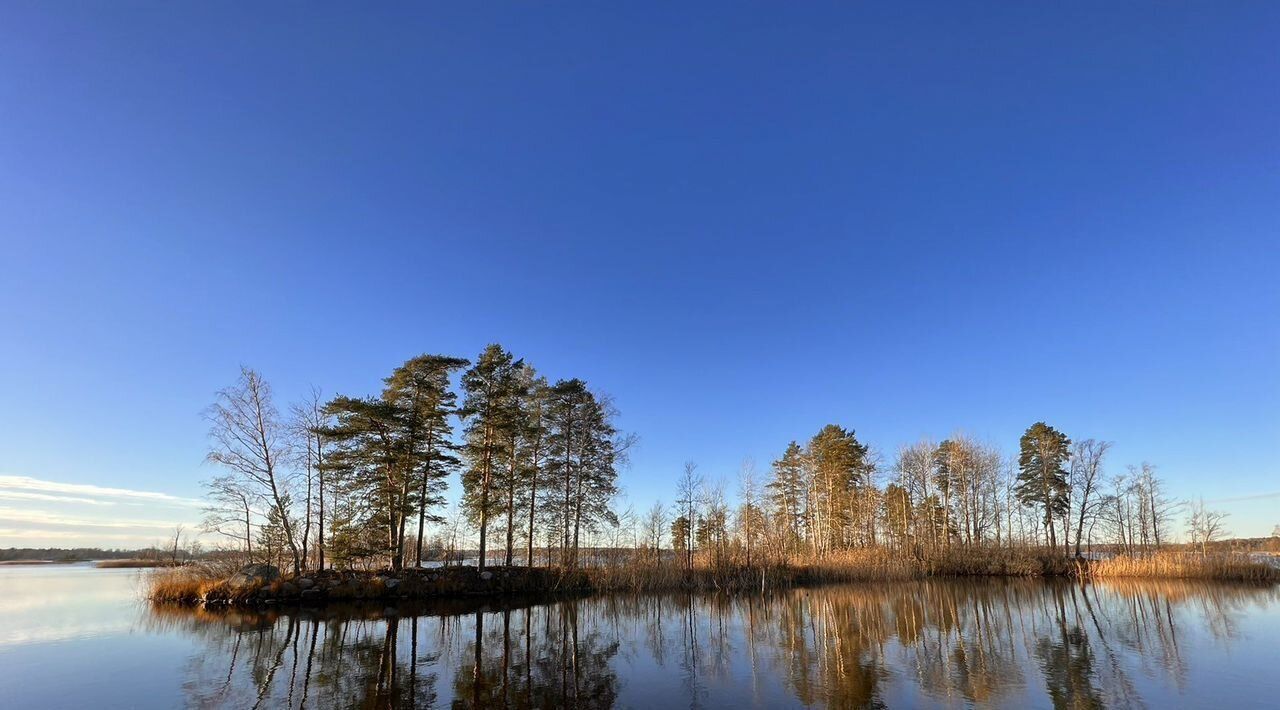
250 441
1085 479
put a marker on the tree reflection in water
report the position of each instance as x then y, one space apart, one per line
945 642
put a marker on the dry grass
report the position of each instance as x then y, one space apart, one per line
1175 565
667 577
845 566
863 565
1000 562
204 584
195 585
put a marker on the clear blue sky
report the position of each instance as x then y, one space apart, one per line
744 221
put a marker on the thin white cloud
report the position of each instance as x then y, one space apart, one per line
84 490
43 513
40 517
95 538
45 497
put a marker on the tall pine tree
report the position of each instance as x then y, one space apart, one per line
840 469
366 464
533 448
423 401
1042 478
488 389
582 459
786 494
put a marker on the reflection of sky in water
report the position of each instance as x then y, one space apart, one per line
54 602
76 636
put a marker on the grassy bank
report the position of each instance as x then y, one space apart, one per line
207 585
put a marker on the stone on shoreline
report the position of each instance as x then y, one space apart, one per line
254 574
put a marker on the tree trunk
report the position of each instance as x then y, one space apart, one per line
511 502
422 494
484 493
306 522
533 501
511 522
248 532
320 518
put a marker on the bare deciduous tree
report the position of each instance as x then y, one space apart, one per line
249 439
307 421
1085 479
230 512
689 491
655 526
1205 526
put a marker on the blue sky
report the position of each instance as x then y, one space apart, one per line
742 220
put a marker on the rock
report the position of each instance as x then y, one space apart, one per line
254 574
486 575
391 583
310 593
306 583
288 589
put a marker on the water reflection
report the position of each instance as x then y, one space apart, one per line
1019 643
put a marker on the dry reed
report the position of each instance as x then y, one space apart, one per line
1175 565
198 584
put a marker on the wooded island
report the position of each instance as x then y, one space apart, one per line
352 490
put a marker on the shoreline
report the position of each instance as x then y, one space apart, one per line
187 586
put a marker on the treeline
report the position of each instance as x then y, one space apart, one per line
360 481
359 478
935 499
64 554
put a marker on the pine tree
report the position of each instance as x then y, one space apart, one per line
366 465
533 449
948 477
272 540
680 535
487 389
786 493
1042 478
840 468
423 403
513 476
582 459
567 403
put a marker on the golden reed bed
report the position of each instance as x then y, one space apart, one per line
193 584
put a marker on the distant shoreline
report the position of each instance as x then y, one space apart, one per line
36 563
103 564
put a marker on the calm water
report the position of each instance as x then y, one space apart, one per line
75 636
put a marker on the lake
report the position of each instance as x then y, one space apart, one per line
74 636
